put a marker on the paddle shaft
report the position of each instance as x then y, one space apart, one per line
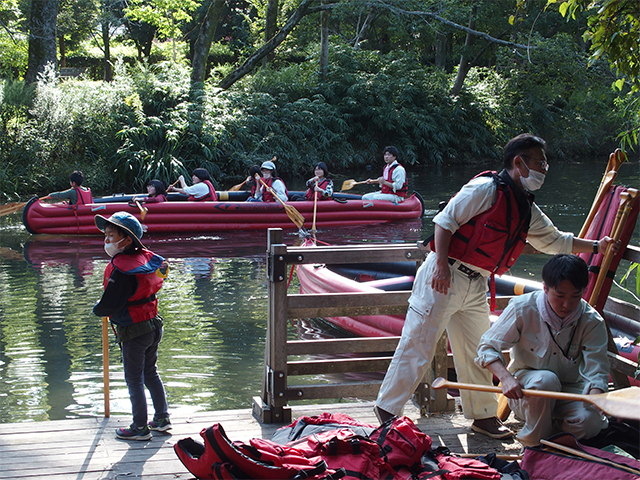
105 365
293 214
315 207
603 401
587 456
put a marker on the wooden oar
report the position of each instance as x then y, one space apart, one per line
315 206
105 365
349 184
143 211
624 210
294 215
10 208
588 456
615 160
623 403
235 188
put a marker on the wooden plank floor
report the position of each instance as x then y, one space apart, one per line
86 449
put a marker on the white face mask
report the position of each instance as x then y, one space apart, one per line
112 249
534 181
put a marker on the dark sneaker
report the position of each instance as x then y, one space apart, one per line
161 425
134 433
492 427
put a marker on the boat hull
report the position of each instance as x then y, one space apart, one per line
183 217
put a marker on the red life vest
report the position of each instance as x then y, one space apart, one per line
84 196
333 453
495 238
405 186
155 199
323 185
212 196
142 305
267 196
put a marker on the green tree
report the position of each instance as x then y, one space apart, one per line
166 15
614 33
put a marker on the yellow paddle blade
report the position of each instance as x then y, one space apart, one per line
11 208
294 215
235 188
349 184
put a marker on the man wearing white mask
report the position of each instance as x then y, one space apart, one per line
481 231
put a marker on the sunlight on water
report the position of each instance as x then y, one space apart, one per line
213 303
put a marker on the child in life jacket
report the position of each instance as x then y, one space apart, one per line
202 189
77 194
131 280
319 185
156 193
269 179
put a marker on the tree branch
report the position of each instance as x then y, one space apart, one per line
268 47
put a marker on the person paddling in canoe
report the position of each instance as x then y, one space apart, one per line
202 189
76 195
156 193
269 179
320 185
558 342
482 230
393 182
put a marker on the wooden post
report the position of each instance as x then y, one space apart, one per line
105 365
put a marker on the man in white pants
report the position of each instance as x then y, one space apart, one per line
559 343
482 230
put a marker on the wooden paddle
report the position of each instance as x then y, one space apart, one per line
143 211
615 160
235 188
294 215
349 184
10 208
105 365
588 456
624 210
623 403
315 207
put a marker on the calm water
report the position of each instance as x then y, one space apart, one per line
213 303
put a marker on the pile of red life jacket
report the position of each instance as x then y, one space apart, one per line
326 447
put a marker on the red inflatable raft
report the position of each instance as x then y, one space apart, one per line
183 216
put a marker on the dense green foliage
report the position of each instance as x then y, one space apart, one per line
151 123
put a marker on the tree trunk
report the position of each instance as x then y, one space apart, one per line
63 52
268 47
106 39
464 66
441 51
202 44
42 38
324 42
362 30
270 28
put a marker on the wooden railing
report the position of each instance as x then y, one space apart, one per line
365 354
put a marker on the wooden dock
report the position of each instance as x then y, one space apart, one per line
86 449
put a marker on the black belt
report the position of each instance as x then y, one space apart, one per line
472 274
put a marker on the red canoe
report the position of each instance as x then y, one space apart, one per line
183 216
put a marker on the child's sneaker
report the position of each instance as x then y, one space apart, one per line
160 425
134 433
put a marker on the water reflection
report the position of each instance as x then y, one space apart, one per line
214 304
